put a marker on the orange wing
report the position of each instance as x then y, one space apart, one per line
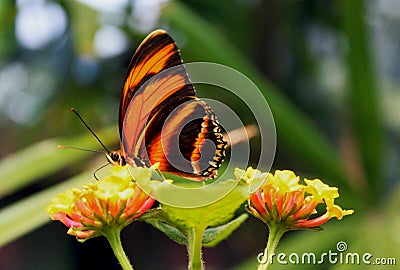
160 118
156 53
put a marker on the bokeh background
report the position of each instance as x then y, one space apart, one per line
329 70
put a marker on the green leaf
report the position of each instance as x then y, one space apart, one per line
211 215
187 225
153 214
172 232
44 158
363 96
212 236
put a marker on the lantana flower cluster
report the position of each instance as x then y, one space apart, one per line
114 201
281 199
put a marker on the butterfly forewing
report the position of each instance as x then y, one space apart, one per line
156 53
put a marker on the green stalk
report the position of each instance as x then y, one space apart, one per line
275 234
195 237
113 236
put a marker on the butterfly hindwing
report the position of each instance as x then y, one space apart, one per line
189 143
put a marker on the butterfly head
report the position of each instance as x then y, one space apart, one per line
116 158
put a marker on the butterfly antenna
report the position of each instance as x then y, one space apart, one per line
78 148
91 131
98 169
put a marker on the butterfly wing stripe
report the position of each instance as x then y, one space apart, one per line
210 130
154 63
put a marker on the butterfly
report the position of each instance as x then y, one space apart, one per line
161 119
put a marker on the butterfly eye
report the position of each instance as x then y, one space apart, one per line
115 156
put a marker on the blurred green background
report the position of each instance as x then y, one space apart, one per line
329 70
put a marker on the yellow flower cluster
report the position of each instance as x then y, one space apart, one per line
115 200
280 198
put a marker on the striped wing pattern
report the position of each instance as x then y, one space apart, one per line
161 119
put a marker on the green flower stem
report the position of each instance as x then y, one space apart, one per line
194 249
113 236
275 233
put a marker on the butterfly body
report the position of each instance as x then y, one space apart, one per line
161 119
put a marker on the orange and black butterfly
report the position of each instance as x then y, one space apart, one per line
162 120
